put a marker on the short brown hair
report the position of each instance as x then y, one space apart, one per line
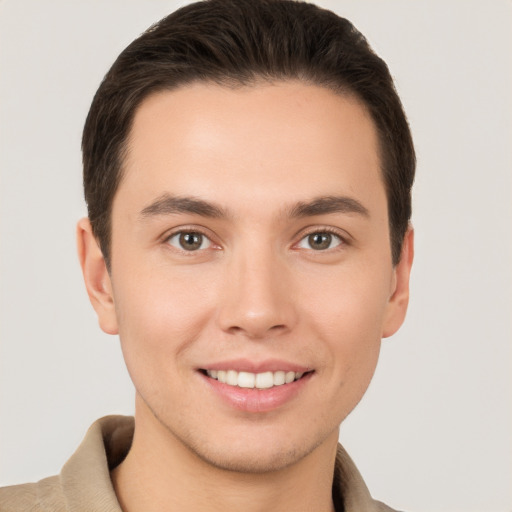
241 42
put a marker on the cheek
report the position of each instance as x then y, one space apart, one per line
160 315
349 300
349 326
347 310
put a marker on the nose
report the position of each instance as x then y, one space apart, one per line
257 300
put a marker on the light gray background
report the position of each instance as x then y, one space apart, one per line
434 431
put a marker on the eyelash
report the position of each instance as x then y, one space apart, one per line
343 242
186 230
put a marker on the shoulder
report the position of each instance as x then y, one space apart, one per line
381 507
43 496
84 481
350 493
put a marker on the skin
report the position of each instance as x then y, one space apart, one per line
256 289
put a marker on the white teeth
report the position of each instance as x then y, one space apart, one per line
246 380
279 378
263 380
232 378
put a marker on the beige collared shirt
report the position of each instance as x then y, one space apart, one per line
84 483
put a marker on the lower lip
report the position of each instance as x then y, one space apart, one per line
257 400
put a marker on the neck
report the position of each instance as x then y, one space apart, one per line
161 474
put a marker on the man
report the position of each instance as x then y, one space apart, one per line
247 171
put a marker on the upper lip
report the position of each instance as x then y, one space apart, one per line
246 365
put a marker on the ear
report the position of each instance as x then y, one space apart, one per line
96 277
399 300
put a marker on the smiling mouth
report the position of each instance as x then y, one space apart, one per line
248 380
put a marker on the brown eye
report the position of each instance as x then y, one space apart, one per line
189 241
320 241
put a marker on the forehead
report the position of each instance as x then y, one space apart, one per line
211 140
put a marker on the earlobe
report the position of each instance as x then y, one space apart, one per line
399 300
96 277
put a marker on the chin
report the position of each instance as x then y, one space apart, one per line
251 446
258 450
252 459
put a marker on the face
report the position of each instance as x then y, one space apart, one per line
251 278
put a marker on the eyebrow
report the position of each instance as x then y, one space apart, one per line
328 204
167 205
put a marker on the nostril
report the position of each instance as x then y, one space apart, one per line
255 332
256 317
